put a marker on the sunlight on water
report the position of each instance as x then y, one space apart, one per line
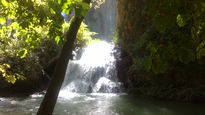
108 94
97 54
36 95
68 95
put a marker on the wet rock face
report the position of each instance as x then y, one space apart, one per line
105 85
123 62
98 72
104 89
131 25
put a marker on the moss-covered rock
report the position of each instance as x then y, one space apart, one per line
158 55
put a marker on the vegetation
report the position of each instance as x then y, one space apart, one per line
163 45
180 33
26 28
32 32
84 36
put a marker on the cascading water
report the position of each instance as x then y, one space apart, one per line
93 73
103 20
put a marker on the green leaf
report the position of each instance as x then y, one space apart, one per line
65 6
66 11
15 25
5 3
2 20
59 2
180 21
52 11
22 53
152 48
57 39
85 6
81 13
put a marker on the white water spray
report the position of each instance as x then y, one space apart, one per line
93 73
97 55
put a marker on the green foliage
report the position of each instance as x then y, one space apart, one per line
78 6
27 23
10 78
28 29
180 32
31 21
175 34
84 36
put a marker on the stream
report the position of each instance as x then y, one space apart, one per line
91 87
100 104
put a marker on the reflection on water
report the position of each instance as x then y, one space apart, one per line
100 104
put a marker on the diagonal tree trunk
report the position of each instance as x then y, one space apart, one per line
49 101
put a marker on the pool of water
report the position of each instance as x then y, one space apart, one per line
100 104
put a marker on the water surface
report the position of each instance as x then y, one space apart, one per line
100 104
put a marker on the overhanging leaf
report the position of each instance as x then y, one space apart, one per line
22 53
2 20
5 3
57 39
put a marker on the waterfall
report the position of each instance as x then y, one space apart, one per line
103 20
94 72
